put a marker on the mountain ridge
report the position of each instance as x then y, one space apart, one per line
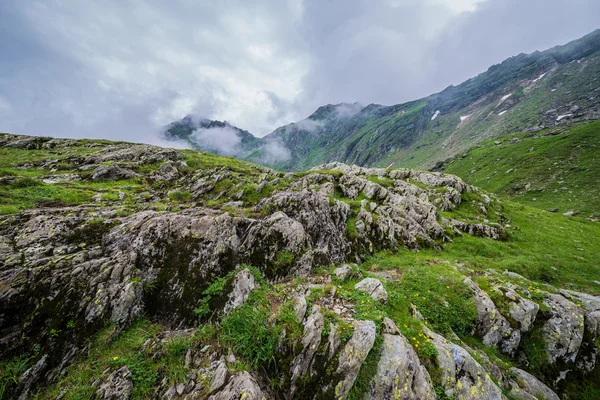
511 96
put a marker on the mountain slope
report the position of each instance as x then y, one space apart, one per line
555 168
543 89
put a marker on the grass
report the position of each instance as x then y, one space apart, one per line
561 170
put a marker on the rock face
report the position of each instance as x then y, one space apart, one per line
374 288
117 386
353 355
400 374
522 310
112 172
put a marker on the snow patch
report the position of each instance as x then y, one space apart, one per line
464 117
435 115
553 90
563 116
503 99
539 77
503 112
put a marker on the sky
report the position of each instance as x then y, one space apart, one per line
123 69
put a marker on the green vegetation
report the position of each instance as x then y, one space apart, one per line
547 172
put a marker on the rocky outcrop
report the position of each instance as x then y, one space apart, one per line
112 173
310 343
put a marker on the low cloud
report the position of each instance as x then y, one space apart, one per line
274 151
218 140
308 125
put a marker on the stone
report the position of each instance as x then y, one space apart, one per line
400 374
563 330
112 172
311 340
116 386
300 307
492 327
522 381
346 271
353 355
219 378
241 386
374 288
243 284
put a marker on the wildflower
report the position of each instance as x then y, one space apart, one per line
115 358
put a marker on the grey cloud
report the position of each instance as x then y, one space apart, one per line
121 69
220 140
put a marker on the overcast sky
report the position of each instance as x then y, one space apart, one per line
121 69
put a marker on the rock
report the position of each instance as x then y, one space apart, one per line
521 310
492 327
571 213
346 271
32 376
310 343
388 326
116 386
243 284
241 386
563 330
167 171
105 173
219 378
374 288
525 382
400 374
353 355
462 377
300 307
552 210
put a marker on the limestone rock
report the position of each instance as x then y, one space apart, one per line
241 386
525 382
493 328
113 172
353 355
462 376
116 386
243 284
310 343
219 378
374 288
400 374
563 331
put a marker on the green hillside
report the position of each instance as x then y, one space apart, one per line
556 168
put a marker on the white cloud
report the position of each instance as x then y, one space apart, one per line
220 140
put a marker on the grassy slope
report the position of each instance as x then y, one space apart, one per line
562 170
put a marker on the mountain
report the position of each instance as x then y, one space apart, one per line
130 271
555 87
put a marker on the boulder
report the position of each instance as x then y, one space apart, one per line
400 374
492 327
241 386
563 330
526 386
311 340
111 173
374 288
353 355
